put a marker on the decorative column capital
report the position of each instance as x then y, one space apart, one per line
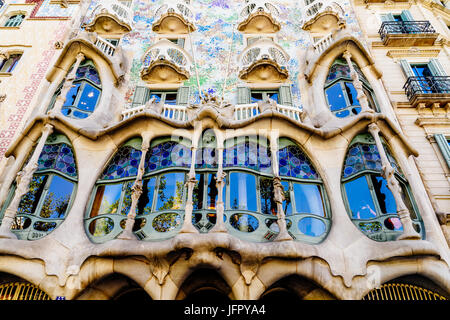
374 129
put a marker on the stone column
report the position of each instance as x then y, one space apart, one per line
220 185
190 184
136 192
23 181
283 235
362 98
388 173
67 85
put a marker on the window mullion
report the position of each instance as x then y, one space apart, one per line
373 194
43 196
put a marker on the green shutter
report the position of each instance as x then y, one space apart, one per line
406 67
387 17
243 95
141 96
285 96
183 95
436 68
444 147
406 16
180 42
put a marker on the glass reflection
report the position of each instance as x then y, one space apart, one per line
106 199
360 199
145 202
335 97
57 199
384 195
242 191
311 226
268 205
308 199
29 201
170 191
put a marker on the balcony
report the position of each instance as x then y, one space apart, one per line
264 61
174 17
428 91
322 16
171 112
110 16
166 62
407 33
248 111
259 17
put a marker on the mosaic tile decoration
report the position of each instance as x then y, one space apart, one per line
58 157
124 164
168 154
248 155
206 158
294 163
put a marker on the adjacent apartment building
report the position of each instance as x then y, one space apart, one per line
222 150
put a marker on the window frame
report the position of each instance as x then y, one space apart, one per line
9 21
15 57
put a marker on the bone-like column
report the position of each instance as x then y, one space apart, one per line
136 192
23 181
190 184
388 173
220 185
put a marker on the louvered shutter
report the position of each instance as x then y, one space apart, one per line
285 95
141 96
243 95
436 68
444 147
183 95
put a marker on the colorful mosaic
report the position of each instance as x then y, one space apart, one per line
294 163
125 163
206 158
341 70
248 155
58 157
168 154
88 71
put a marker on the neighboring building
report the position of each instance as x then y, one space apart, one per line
224 150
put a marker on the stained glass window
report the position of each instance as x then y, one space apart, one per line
168 154
58 157
124 164
294 163
248 154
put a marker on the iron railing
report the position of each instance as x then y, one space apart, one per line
405 27
400 291
427 85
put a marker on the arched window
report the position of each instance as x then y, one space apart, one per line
84 95
160 207
51 191
340 91
14 20
247 162
8 65
369 201
305 204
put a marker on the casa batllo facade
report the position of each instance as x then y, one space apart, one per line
224 149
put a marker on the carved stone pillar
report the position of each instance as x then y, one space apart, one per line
23 181
362 98
220 185
136 192
409 233
190 184
278 189
67 85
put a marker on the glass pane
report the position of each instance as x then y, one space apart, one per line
242 191
170 191
72 95
197 197
308 199
311 227
384 195
256 96
244 222
156 96
287 206
166 222
30 200
268 205
359 199
273 96
171 99
106 199
351 94
212 192
89 98
146 199
57 199
335 97
101 227
126 201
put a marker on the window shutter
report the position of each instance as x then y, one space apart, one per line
444 147
406 16
285 95
141 96
436 68
387 17
243 95
406 67
180 42
183 95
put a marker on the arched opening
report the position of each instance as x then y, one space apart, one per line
15 288
205 286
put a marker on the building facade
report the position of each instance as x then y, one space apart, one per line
211 149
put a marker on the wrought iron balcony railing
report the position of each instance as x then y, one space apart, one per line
415 86
405 27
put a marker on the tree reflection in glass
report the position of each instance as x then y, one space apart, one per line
57 199
145 202
170 191
268 205
242 191
106 199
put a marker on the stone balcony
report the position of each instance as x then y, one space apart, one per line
428 91
259 17
166 62
263 61
322 16
174 17
407 33
110 16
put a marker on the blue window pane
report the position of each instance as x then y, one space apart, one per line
311 227
242 191
89 98
268 205
256 96
107 199
273 96
156 96
308 199
57 199
146 199
170 191
30 200
359 199
197 196
72 95
171 99
351 94
212 192
384 195
287 206
335 97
